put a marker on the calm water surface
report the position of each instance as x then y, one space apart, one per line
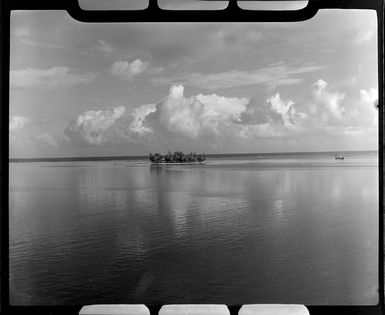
282 229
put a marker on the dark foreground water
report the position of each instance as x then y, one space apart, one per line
240 229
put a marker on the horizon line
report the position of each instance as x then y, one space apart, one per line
122 157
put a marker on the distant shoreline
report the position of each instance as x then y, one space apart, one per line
145 157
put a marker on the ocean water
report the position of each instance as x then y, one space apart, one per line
284 228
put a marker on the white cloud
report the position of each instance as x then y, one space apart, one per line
333 114
284 108
320 84
129 70
17 125
369 97
366 111
223 122
324 112
329 104
197 115
55 77
274 75
17 122
111 126
126 69
174 117
92 126
139 115
46 138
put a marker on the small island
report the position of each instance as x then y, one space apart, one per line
177 158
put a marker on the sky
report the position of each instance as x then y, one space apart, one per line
89 89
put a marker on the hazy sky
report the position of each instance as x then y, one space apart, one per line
81 89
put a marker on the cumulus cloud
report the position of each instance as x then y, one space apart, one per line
129 70
284 108
275 75
174 116
197 115
322 111
211 120
139 115
92 126
327 104
369 97
328 113
218 121
55 77
366 110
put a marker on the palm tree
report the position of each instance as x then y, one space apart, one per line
176 157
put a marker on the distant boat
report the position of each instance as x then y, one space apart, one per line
339 157
177 158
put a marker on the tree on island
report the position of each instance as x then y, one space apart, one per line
177 157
